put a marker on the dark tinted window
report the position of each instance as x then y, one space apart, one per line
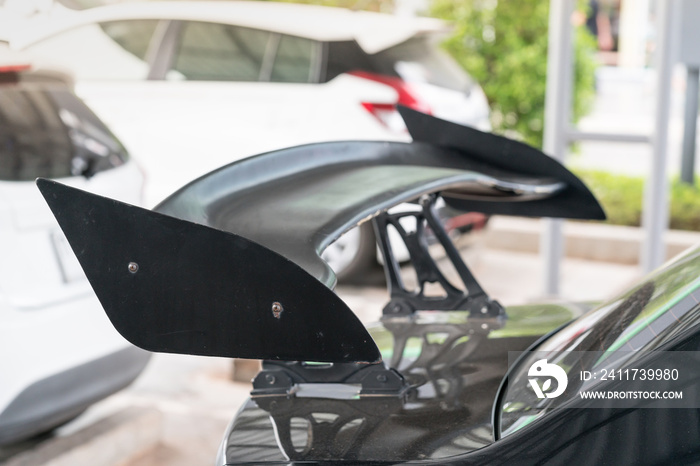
421 60
294 60
342 57
416 60
109 51
219 52
46 131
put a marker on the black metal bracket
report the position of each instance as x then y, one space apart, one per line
334 428
405 302
280 378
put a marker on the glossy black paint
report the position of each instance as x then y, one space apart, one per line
661 313
583 436
655 315
452 370
667 305
172 286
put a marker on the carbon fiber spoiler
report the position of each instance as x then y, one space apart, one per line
230 264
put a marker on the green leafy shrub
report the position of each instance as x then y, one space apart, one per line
503 45
685 206
622 198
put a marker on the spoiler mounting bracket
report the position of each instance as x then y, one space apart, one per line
405 302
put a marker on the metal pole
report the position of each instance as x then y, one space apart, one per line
556 122
690 125
655 212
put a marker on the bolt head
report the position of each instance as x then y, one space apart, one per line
133 267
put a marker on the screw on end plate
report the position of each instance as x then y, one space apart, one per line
277 310
133 267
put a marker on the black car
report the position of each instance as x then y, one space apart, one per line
230 266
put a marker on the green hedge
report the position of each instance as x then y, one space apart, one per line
503 45
622 198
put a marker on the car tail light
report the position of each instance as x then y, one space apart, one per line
14 68
9 73
386 113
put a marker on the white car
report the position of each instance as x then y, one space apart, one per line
190 86
58 353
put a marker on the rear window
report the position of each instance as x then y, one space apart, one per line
421 60
45 131
294 60
219 52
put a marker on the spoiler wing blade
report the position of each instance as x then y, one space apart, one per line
501 153
172 286
296 201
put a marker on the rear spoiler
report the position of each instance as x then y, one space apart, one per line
230 264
